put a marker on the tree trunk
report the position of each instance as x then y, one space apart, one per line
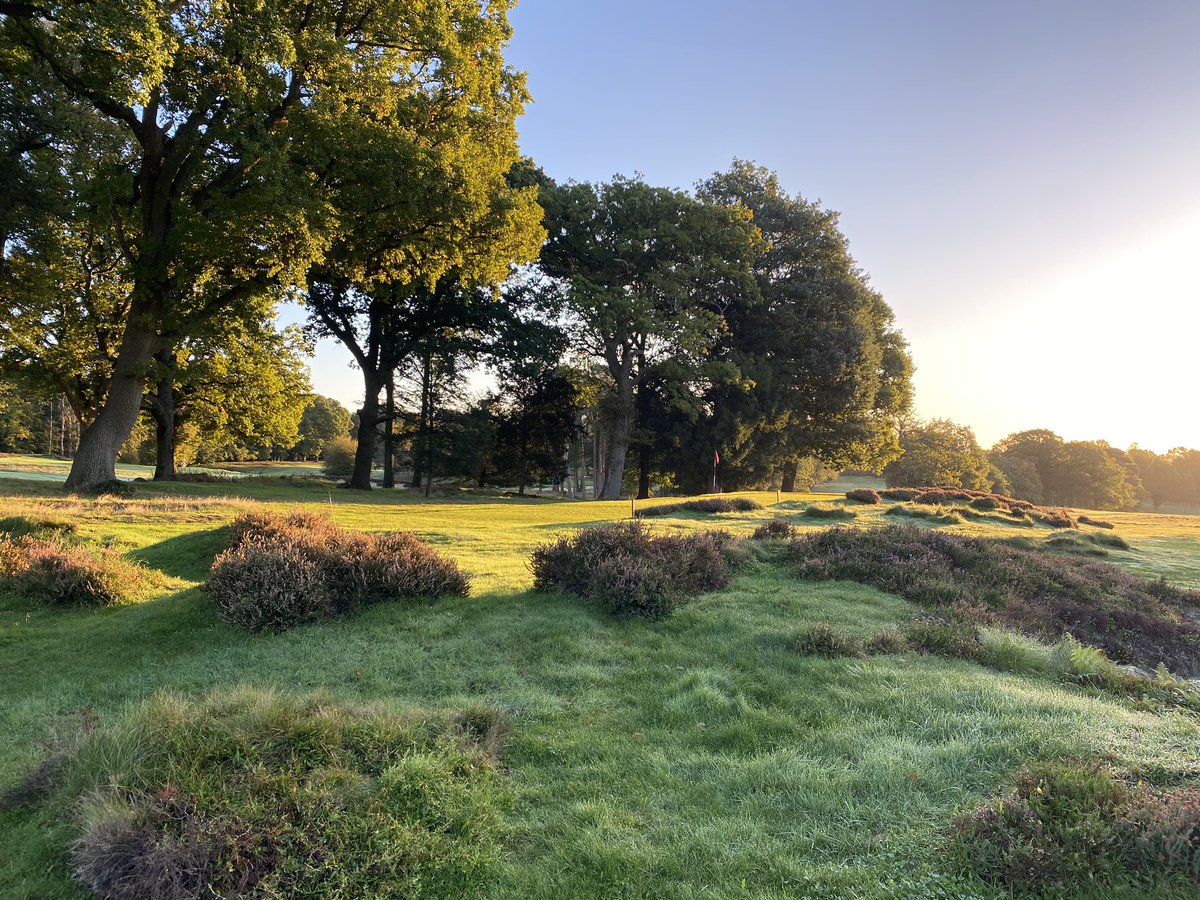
789 477
95 461
368 419
389 433
618 448
644 474
421 444
162 409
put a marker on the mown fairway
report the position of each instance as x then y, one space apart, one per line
698 756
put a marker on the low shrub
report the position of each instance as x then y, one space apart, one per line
1067 823
986 503
905 495
776 529
828 511
706 506
1090 544
821 640
338 457
982 501
626 570
864 495
1046 595
885 642
939 636
254 794
39 527
1095 523
60 574
284 571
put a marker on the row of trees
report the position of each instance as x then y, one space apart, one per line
172 172
1039 466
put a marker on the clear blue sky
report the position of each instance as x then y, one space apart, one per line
1021 180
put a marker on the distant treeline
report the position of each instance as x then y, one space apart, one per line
1039 466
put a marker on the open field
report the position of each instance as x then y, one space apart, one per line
698 756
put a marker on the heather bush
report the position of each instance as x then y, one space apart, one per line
905 495
821 640
1159 832
828 511
1133 619
1057 828
1067 823
626 570
1095 523
776 529
285 571
56 573
707 506
254 794
864 495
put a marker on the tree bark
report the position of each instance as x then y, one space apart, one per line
789 477
162 409
421 444
389 433
644 474
368 419
618 448
95 461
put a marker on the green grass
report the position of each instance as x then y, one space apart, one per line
699 756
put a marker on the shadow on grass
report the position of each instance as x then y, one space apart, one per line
188 556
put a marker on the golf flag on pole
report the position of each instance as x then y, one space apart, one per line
716 458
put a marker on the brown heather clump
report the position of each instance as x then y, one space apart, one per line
57 573
707 506
626 570
864 495
775 530
284 571
983 501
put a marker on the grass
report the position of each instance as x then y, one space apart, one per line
696 756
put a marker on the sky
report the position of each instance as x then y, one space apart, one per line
1020 180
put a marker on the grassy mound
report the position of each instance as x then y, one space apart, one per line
775 530
938 516
35 526
279 572
1134 620
1068 823
56 573
828 511
707 506
255 794
630 572
864 495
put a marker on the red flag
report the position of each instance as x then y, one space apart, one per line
716 458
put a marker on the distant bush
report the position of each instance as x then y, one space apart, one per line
828 511
206 478
338 457
1095 523
1133 619
864 495
904 495
1070 823
284 571
61 574
776 529
254 794
626 570
983 501
708 506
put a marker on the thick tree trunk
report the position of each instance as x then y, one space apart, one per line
368 419
95 461
620 430
789 477
389 433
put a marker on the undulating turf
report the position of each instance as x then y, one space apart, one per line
696 756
